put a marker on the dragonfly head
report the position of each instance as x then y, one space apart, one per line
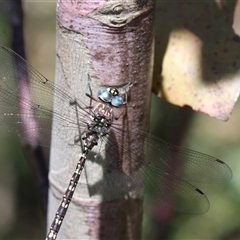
111 96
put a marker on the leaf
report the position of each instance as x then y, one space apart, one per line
200 66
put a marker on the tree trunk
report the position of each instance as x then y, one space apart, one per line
111 42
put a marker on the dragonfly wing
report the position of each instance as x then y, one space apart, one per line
187 164
170 191
143 179
26 107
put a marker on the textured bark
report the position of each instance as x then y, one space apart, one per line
113 43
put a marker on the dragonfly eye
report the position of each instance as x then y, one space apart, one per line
104 95
117 101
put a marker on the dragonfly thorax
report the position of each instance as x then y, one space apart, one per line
100 125
102 119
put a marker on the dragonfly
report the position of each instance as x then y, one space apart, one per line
149 164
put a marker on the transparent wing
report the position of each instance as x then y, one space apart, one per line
192 165
147 170
175 192
21 103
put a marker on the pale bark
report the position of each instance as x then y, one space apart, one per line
113 43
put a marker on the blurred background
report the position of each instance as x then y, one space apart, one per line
20 211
